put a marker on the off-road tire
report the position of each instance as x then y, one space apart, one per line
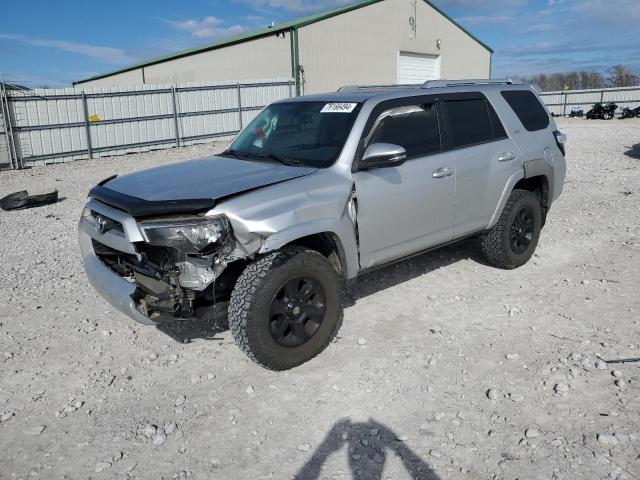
496 243
251 300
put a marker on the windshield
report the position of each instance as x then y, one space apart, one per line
305 133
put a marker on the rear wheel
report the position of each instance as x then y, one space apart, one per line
286 307
513 240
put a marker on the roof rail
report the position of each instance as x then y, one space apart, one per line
453 83
364 88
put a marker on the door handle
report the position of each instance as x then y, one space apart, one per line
444 172
507 156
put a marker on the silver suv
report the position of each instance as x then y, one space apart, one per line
314 192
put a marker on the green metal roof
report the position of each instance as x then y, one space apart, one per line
265 32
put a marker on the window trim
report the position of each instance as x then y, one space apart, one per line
382 107
469 96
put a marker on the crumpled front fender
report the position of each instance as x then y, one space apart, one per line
342 230
267 219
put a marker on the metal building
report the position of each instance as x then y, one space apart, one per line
373 41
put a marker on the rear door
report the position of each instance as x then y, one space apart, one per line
485 157
407 208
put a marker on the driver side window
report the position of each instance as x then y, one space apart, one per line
413 127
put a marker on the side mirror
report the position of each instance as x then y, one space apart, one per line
383 155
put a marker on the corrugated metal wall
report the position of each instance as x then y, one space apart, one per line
60 125
561 103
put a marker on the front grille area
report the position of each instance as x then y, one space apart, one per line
114 259
108 223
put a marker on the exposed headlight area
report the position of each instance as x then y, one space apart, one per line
179 266
202 236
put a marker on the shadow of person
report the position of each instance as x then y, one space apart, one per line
368 445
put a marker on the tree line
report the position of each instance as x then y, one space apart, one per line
616 77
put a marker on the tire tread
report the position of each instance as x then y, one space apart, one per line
492 243
248 285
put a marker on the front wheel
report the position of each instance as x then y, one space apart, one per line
512 242
286 307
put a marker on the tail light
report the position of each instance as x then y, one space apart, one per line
561 139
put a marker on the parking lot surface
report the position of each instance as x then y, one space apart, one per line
445 368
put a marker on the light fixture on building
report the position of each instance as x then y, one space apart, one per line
439 43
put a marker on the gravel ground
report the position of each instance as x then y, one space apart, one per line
445 368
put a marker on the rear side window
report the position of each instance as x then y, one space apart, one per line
413 127
469 122
528 109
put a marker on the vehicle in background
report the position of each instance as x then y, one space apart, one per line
576 112
602 112
629 113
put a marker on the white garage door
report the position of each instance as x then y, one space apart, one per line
416 68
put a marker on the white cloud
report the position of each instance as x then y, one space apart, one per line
612 11
298 6
207 27
480 3
115 56
484 19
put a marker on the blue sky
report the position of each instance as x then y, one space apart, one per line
57 42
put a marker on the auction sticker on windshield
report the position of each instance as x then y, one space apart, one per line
339 107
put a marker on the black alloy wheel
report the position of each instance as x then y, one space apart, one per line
513 240
522 230
296 312
286 307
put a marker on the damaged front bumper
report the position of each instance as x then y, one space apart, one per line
118 291
151 285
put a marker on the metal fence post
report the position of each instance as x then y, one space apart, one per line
87 125
240 107
290 89
565 104
175 115
5 132
14 161
602 96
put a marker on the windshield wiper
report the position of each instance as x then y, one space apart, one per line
292 162
235 153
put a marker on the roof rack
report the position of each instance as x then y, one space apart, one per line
365 88
453 83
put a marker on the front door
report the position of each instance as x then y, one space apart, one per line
408 208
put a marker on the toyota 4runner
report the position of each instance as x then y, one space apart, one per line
316 191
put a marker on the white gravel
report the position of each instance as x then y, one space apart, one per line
83 389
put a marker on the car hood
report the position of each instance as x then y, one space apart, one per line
210 178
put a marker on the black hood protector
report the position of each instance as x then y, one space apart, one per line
140 208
